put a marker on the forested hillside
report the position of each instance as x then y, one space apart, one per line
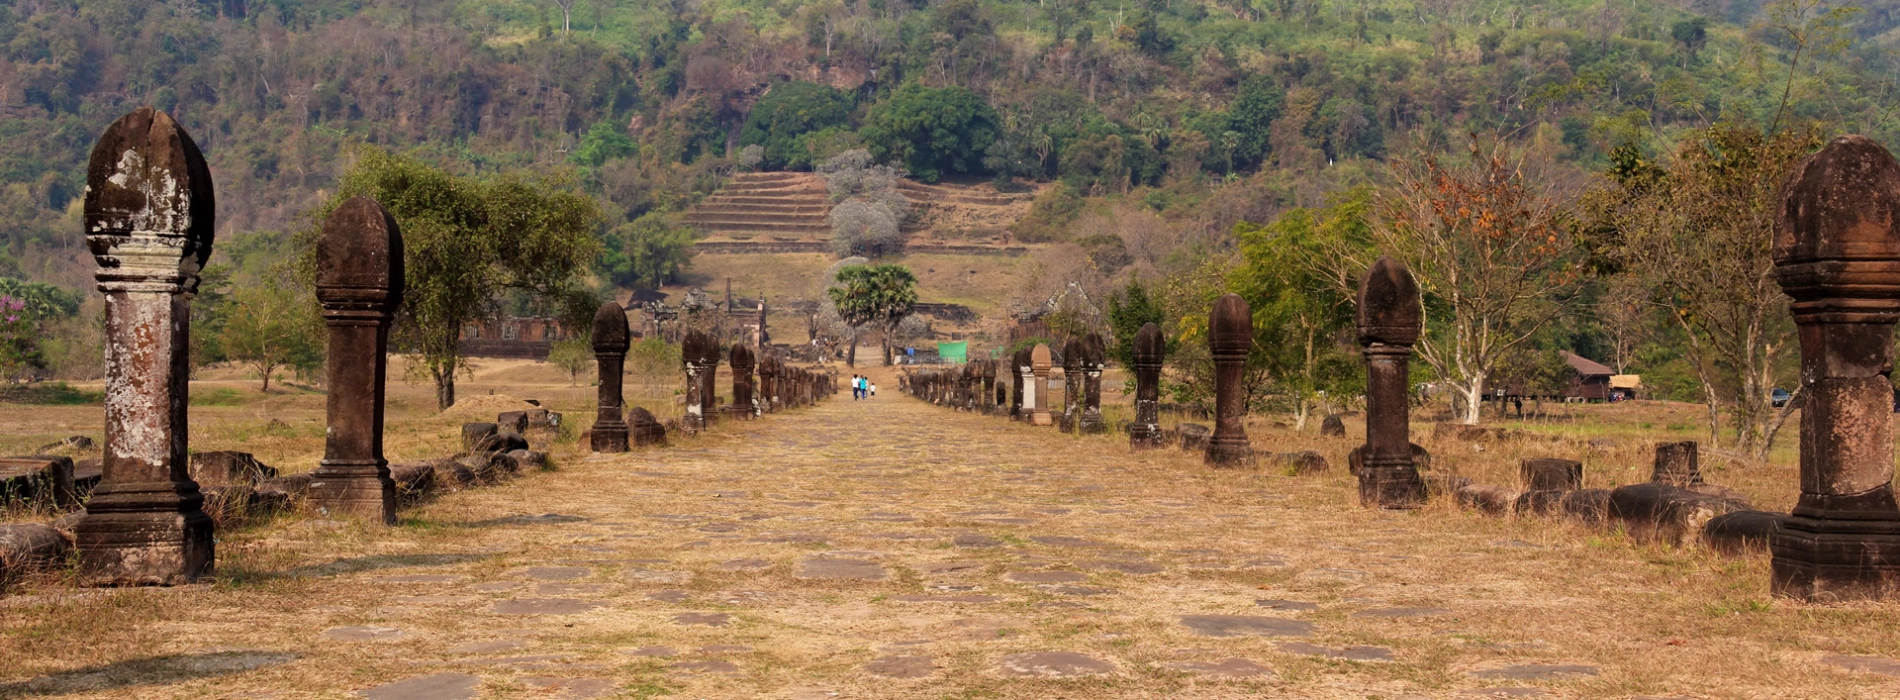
643 99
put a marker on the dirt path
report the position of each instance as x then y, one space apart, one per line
889 549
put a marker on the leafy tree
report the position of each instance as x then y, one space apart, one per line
789 112
932 131
1697 233
1256 105
646 253
19 340
880 294
267 327
603 142
465 242
39 300
1298 277
1128 310
573 356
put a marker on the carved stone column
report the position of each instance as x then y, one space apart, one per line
359 283
149 222
1149 350
1837 253
740 359
1019 368
986 387
1390 319
692 349
611 339
709 384
1036 405
1071 384
1229 338
768 383
1094 362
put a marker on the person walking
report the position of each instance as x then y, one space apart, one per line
873 388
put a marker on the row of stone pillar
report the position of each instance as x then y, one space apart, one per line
974 386
777 385
150 217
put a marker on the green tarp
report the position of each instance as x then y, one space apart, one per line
954 353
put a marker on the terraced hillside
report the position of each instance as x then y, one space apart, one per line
765 208
785 213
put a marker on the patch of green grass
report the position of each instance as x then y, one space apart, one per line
49 394
221 396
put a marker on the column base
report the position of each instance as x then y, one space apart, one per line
609 437
355 490
1146 436
145 535
1825 561
1391 487
1092 422
1229 451
692 423
1042 418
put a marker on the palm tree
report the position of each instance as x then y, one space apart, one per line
874 293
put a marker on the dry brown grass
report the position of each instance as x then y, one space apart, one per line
895 481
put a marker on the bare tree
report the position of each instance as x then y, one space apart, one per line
567 14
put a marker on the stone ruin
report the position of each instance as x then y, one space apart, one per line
359 284
701 359
1036 382
1150 350
1390 318
1019 369
149 211
740 360
1837 254
1230 338
612 337
1071 417
1093 361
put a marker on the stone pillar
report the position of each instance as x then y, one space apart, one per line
1390 319
359 283
740 360
1837 254
1230 338
1071 384
1094 362
611 339
1037 403
986 386
1019 367
1149 350
709 384
149 221
692 349
768 383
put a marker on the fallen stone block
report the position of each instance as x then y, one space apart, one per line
1486 499
86 476
1307 462
1587 505
1741 532
474 433
530 459
501 442
38 481
226 468
643 429
1676 464
1546 474
1664 513
1332 426
512 422
292 486
29 547
1193 436
1541 502
1443 485
414 481
538 418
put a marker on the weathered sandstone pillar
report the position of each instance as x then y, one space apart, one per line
1145 432
359 283
1390 319
611 340
1229 338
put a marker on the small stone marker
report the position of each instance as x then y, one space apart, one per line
1230 338
1145 432
1390 319
1245 626
1332 426
436 686
1551 474
1676 464
149 217
1054 664
612 337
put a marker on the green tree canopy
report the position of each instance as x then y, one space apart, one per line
932 131
648 252
788 112
465 242
1128 310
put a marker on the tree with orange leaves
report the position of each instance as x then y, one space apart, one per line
1494 259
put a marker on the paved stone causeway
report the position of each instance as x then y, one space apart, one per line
891 549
